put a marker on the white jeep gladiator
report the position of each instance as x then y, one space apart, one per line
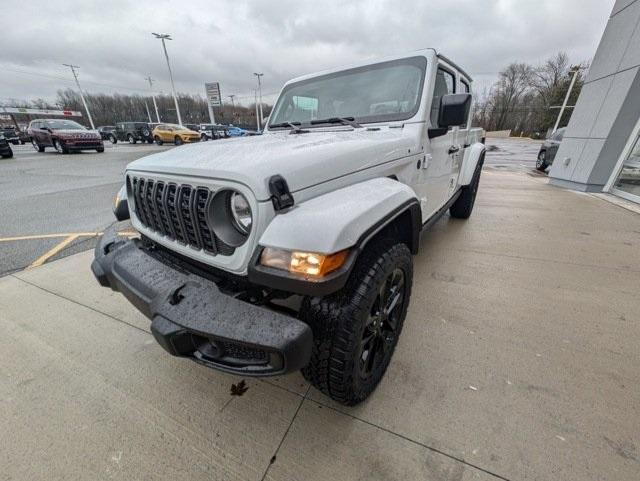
293 249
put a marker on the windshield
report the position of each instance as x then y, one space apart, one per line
63 125
383 92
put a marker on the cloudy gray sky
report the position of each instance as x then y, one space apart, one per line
228 40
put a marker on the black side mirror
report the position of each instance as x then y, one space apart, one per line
454 112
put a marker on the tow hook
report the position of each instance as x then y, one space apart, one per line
176 297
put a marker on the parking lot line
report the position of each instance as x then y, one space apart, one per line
52 252
48 236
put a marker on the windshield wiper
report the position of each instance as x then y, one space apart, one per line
338 120
294 126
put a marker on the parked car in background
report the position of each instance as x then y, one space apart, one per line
5 148
64 136
24 136
177 134
107 132
212 131
549 149
10 135
133 132
236 131
193 127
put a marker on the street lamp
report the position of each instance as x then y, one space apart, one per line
163 37
84 102
259 93
153 96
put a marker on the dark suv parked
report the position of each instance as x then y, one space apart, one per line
134 132
64 136
549 149
5 148
107 132
10 135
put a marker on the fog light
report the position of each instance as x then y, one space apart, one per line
307 263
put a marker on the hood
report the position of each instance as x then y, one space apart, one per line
302 159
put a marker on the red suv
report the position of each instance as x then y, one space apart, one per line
64 136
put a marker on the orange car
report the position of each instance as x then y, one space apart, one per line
177 134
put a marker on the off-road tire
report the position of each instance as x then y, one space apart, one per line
158 140
112 139
463 206
149 141
7 156
177 140
541 161
131 139
37 146
340 321
100 149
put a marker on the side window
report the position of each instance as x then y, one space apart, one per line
445 84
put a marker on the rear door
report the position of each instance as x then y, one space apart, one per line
44 136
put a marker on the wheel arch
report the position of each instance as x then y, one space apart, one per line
474 154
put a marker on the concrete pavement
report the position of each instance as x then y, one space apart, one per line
519 360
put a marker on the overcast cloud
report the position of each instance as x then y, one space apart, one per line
229 40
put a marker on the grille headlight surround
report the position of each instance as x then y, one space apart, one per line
230 217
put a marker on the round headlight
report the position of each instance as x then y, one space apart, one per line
241 212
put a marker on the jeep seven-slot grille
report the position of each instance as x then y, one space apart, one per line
178 212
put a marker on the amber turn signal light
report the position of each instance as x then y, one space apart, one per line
307 263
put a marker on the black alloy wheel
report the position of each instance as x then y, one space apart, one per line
380 331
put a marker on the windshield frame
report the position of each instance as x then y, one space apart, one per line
418 60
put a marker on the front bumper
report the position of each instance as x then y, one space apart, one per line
83 144
192 318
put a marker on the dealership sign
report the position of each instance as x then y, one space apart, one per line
62 113
213 94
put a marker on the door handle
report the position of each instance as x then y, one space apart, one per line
453 150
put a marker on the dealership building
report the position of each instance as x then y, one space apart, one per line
600 151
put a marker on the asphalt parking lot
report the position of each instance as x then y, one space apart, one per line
48 197
518 360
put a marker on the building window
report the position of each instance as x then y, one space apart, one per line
628 180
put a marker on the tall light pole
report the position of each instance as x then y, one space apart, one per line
146 106
163 37
84 102
233 107
259 93
566 99
255 96
153 96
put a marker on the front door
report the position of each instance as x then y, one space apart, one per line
444 151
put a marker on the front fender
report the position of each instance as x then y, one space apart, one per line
346 218
472 156
340 219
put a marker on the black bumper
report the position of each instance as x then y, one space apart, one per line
192 318
84 146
